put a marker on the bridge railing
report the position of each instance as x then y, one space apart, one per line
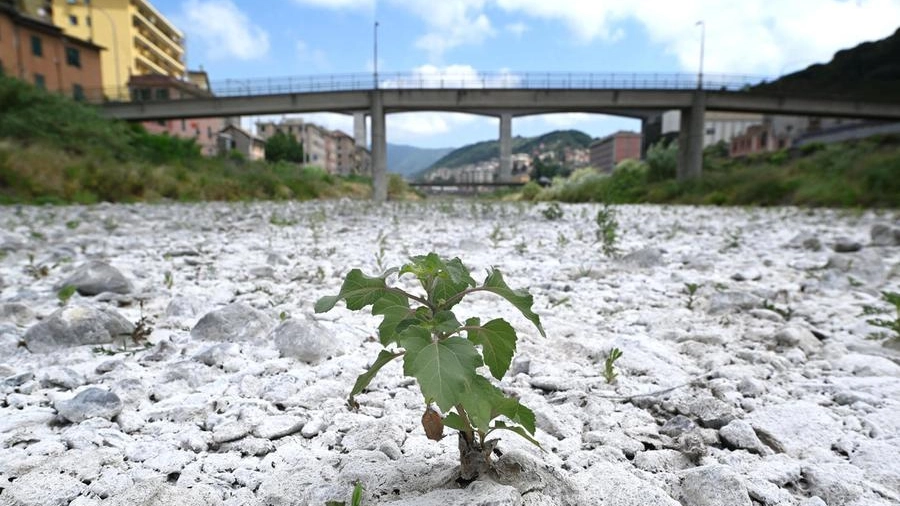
425 80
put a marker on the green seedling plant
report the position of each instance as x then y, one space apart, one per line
608 231
690 289
442 353
64 294
609 367
552 212
893 326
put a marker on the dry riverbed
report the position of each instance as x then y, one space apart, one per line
762 388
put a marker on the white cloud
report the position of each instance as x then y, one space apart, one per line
311 58
517 29
451 23
224 30
338 4
752 36
430 128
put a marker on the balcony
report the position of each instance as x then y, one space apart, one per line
148 13
143 60
161 38
163 58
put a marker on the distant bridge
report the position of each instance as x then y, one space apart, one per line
504 95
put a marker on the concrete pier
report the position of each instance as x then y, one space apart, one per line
359 129
379 149
690 138
505 148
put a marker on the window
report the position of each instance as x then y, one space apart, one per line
87 20
183 124
209 132
73 20
141 94
73 57
37 48
40 82
162 94
77 92
1 68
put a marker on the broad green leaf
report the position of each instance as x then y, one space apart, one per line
519 298
358 291
365 378
442 279
497 339
395 309
445 321
453 421
500 425
444 369
479 401
517 412
423 267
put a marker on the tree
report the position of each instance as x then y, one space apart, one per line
284 147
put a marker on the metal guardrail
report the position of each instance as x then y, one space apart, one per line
480 80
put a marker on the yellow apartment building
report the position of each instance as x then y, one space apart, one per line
138 39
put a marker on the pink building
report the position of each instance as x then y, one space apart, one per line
607 152
159 87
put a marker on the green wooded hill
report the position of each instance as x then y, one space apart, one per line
486 150
869 71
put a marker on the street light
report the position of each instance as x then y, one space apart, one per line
375 66
702 43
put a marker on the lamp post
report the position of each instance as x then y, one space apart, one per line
375 64
112 26
702 44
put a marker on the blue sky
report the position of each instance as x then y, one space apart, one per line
245 39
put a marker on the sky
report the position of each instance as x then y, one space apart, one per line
251 39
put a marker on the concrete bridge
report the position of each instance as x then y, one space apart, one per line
502 95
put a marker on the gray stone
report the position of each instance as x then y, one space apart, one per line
677 425
157 493
798 337
739 434
479 493
722 302
216 355
611 484
278 426
884 235
644 258
806 241
42 487
713 485
230 431
710 412
183 307
849 270
846 245
659 461
163 351
11 242
838 484
15 312
62 377
89 403
235 322
795 427
76 325
305 340
97 277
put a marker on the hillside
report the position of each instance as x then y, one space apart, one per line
486 150
870 70
409 160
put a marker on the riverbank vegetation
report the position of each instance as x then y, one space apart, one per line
55 150
860 173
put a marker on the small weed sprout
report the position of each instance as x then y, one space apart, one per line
37 271
521 247
893 326
552 212
64 294
72 224
496 235
690 289
609 370
608 230
561 240
168 279
732 240
382 248
442 353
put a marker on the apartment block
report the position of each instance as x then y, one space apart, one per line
35 51
138 39
607 152
234 138
334 151
159 87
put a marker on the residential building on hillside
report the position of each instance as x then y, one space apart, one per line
159 87
39 53
335 152
234 138
607 152
718 126
139 40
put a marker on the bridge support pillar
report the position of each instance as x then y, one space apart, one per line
359 129
379 149
690 138
505 174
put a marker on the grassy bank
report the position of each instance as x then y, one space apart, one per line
55 150
863 173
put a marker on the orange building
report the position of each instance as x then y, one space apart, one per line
607 152
159 87
41 54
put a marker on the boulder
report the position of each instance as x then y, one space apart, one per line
740 435
235 322
713 485
76 325
795 427
305 340
42 487
15 312
644 258
89 403
157 493
97 277
884 235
